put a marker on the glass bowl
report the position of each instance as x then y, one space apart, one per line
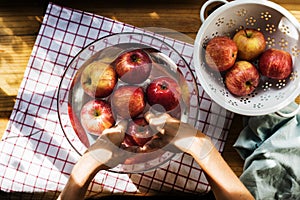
166 61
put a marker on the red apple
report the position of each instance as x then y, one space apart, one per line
96 116
221 53
165 92
128 101
138 132
242 78
250 42
79 130
275 64
133 66
98 79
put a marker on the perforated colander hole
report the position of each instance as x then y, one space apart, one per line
245 100
283 43
294 75
280 95
250 21
285 29
205 41
241 13
255 62
258 105
231 23
214 34
270 28
224 92
253 94
212 88
220 21
270 42
266 86
280 84
295 51
233 103
265 97
265 15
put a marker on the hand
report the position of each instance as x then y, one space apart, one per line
103 154
106 148
176 135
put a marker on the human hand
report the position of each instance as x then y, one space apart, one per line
106 148
176 136
103 154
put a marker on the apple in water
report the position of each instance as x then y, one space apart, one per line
250 42
133 66
164 92
275 64
128 101
138 132
221 53
98 79
79 130
242 78
96 116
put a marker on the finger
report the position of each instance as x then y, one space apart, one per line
116 134
122 125
156 122
163 123
154 144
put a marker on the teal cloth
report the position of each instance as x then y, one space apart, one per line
270 145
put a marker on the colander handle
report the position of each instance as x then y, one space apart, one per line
205 5
290 114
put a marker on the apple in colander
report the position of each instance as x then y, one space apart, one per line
250 42
242 78
221 53
276 64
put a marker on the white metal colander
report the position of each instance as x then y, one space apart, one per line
281 30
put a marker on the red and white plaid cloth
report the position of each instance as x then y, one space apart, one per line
35 155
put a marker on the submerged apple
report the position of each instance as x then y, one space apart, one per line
98 79
138 132
96 116
128 101
165 92
133 66
242 78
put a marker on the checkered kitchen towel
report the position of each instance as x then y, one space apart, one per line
35 155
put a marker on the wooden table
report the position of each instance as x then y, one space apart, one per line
20 22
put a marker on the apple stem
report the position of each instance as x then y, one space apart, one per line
246 32
164 86
248 83
134 57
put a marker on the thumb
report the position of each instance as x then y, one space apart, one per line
116 134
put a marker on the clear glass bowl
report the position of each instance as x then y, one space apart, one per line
168 62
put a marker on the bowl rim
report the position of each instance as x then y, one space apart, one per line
84 49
